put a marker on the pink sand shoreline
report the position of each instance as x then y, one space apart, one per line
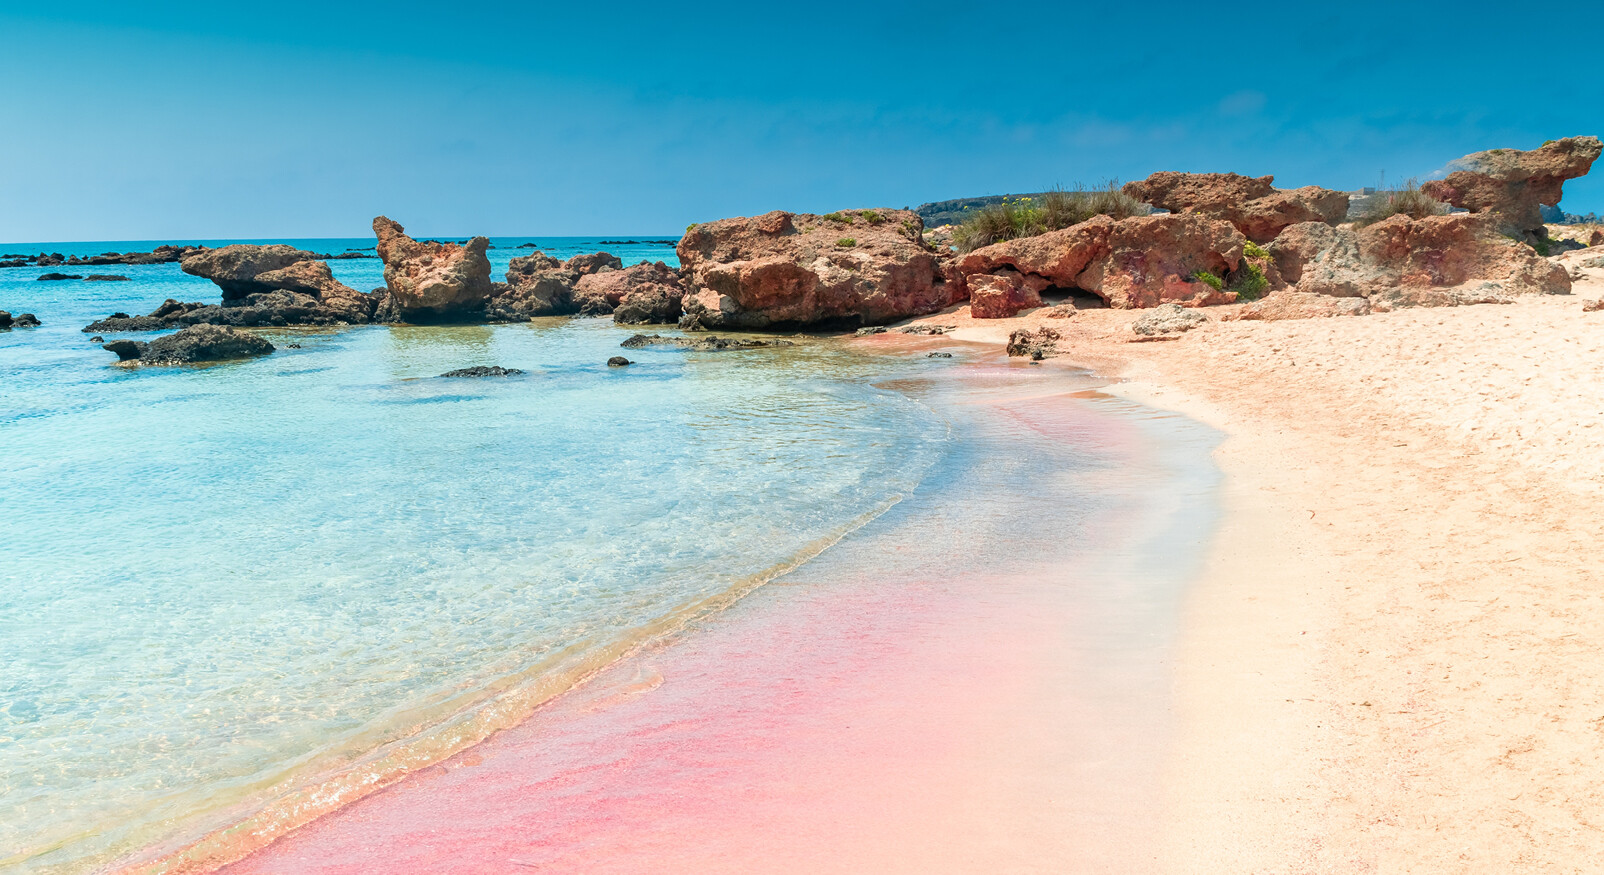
945 707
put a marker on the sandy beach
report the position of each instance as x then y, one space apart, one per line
1388 665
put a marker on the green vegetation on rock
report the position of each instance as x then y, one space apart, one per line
1410 201
1052 211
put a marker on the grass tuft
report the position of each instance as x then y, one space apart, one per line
846 242
1411 202
1057 209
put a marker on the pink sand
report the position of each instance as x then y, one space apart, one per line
948 711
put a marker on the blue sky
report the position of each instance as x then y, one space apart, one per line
294 119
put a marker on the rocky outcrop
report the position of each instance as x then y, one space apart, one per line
1253 205
271 284
593 262
1004 294
642 294
235 269
863 267
1434 261
430 281
25 320
5 319
1168 319
197 343
1514 185
537 285
1137 262
276 308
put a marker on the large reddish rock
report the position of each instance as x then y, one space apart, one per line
643 294
1137 262
1438 260
537 285
314 278
238 269
1513 185
428 280
863 267
271 284
1253 204
1001 295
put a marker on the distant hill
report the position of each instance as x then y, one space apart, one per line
952 212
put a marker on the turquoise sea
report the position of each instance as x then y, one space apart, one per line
220 583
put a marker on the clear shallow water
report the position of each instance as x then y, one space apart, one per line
216 580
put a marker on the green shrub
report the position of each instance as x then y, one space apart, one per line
1543 247
691 227
871 217
837 217
846 242
1411 202
997 222
1063 209
1057 209
1254 250
1250 283
1208 279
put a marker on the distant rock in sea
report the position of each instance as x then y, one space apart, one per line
617 361
56 277
105 278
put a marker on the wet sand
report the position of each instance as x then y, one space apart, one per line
977 681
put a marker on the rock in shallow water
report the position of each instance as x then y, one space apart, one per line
483 371
703 343
126 350
617 361
1037 345
197 343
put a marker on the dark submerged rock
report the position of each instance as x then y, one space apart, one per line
617 361
483 371
56 277
105 278
204 343
126 350
701 343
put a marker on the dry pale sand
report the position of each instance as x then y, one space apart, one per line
1393 661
